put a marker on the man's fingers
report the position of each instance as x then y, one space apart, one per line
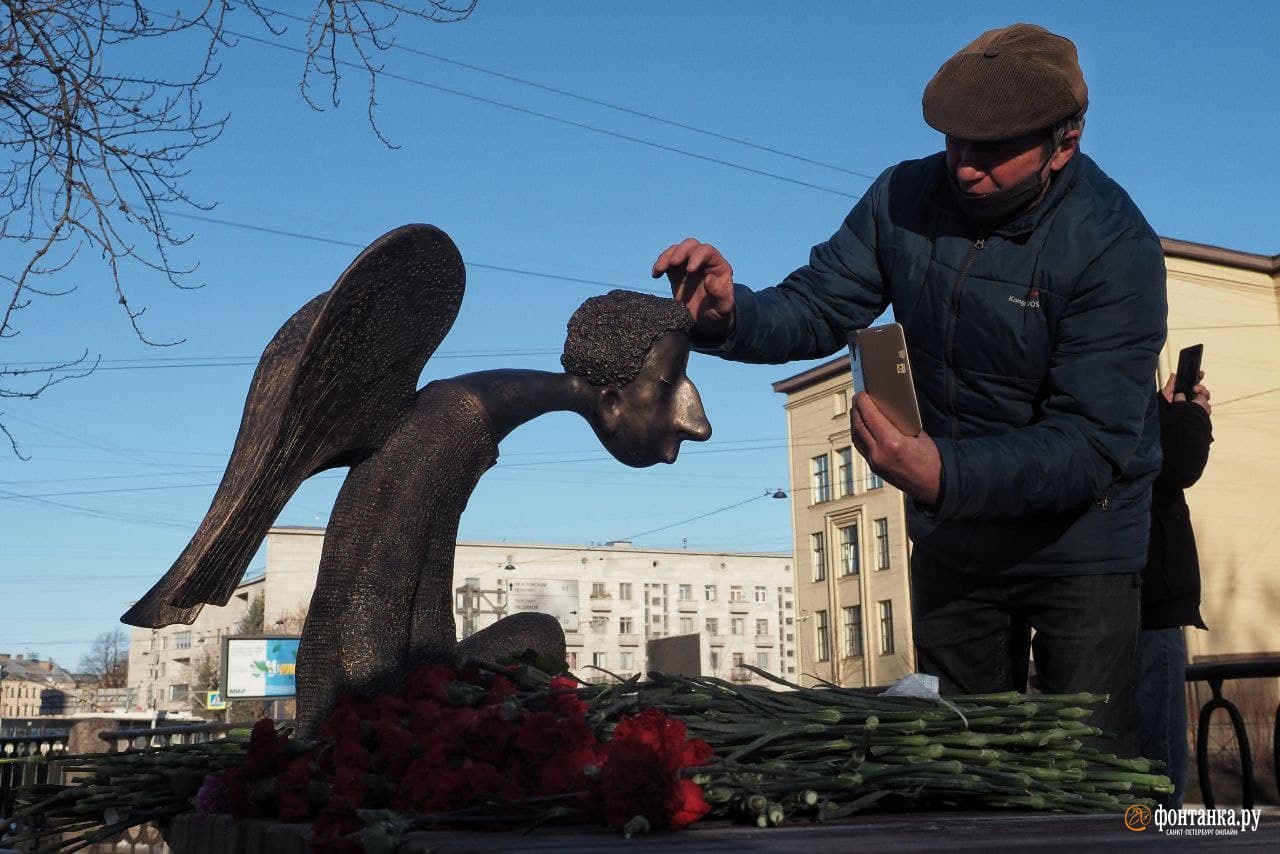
676 255
880 428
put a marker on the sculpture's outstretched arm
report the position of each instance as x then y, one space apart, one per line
328 390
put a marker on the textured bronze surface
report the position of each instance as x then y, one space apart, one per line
335 387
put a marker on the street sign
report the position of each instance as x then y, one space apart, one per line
213 701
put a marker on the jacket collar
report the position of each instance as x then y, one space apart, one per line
1022 226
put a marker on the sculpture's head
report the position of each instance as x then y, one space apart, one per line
633 348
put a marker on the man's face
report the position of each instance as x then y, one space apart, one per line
645 421
987 167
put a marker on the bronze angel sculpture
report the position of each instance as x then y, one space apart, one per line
337 387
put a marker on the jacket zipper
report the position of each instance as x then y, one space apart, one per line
956 291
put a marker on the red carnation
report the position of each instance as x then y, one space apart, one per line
641 775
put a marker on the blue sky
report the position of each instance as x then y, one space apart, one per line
1185 111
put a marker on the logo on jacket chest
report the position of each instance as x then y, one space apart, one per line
1031 300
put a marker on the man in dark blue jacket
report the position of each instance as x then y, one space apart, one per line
1032 292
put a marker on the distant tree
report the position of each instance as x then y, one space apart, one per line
251 622
205 677
96 137
108 660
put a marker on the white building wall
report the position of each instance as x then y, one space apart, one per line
163 662
586 587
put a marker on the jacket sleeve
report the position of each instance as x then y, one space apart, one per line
1185 433
1098 393
809 315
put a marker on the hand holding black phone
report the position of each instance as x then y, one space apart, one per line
1188 375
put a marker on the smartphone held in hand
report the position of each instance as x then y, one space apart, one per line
1188 375
882 368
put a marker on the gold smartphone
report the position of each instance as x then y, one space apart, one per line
881 368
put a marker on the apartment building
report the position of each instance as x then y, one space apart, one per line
610 599
852 594
165 663
33 687
853 602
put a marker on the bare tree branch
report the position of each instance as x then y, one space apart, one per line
97 142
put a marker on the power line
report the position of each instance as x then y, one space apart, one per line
607 104
298 235
552 118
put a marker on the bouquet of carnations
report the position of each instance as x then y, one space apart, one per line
513 748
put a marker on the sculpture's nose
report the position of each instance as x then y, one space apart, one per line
691 419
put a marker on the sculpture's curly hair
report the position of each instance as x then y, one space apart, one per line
610 335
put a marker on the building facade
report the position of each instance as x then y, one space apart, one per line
165 665
853 601
32 688
1230 302
610 599
852 591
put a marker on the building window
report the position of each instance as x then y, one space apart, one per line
598 590
874 481
684 593
182 640
715 661
739 659
626 626
886 627
627 661
709 592
737 625
853 631
599 625
762 594
821 636
844 471
686 625
821 480
600 659
624 591
736 594
762 660
571 659
882 544
713 626
818 543
177 692
849 561
762 628
840 403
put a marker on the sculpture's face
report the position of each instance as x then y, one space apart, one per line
645 421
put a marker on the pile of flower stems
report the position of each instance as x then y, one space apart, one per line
829 752
106 794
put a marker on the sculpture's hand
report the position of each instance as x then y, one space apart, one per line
702 279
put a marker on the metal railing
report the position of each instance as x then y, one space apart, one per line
40 759
1215 673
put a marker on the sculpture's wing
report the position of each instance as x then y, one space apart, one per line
327 391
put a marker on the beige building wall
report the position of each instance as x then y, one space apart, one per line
1230 302
853 605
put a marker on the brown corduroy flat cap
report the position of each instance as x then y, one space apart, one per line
1006 83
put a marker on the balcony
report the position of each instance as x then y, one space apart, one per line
739 606
740 674
601 602
716 640
629 639
765 640
687 606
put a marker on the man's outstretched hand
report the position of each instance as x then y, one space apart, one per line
911 463
702 279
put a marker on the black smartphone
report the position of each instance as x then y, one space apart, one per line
881 368
1188 376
